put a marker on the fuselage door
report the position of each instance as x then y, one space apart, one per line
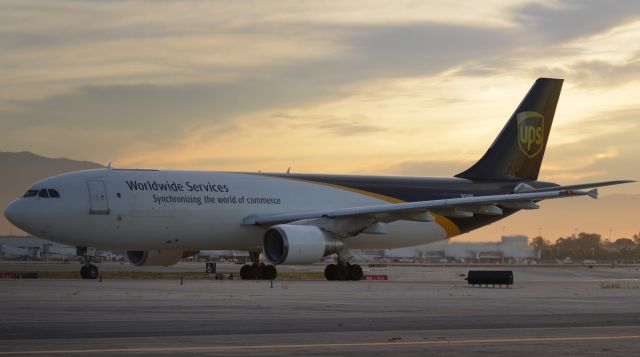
98 197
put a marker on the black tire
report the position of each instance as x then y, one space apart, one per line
256 271
89 272
93 272
269 272
343 272
246 272
331 272
355 272
83 272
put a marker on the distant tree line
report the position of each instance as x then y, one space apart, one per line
588 246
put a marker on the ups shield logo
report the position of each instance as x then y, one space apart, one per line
530 133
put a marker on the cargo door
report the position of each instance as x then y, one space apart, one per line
98 197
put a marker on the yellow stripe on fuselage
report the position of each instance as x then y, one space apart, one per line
447 224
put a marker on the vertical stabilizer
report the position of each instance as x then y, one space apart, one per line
517 152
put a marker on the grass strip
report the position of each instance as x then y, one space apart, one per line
171 276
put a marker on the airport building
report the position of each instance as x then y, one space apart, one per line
509 249
513 248
33 248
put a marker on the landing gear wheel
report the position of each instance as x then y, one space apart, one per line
247 272
355 272
258 272
331 272
269 272
343 272
89 271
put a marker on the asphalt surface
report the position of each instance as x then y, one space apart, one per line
548 312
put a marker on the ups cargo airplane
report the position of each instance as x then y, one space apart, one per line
159 217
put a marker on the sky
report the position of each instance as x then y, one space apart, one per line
367 87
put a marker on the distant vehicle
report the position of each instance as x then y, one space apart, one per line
567 260
159 217
589 261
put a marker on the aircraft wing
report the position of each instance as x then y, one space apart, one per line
417 211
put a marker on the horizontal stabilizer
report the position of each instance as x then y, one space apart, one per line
582 186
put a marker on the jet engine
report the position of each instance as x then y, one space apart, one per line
156 257
298 244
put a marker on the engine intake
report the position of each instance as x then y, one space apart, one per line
298 244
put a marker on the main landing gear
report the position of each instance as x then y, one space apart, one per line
258 270
343 271
88 270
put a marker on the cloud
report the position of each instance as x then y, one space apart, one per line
340 127
607 151
424 168
421 49
144 116
133 114
142 81
567 20
602 73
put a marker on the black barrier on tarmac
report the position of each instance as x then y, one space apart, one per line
490 277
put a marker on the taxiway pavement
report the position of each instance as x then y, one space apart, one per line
548 312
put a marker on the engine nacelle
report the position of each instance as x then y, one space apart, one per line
298 244
156 257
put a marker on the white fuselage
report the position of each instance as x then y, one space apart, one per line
189 210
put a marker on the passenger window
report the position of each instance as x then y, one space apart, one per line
54 193
43 193
30 193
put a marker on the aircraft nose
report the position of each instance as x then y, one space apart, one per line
16 214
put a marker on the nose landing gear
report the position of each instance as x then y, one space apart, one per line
88 270
343 271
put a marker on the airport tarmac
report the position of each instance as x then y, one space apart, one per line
422 310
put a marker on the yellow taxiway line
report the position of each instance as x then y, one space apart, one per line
395 343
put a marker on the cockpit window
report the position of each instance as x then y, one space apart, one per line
30 193
43 193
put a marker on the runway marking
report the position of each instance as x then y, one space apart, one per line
397 343
589 301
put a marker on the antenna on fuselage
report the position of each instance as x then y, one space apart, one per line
289 170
